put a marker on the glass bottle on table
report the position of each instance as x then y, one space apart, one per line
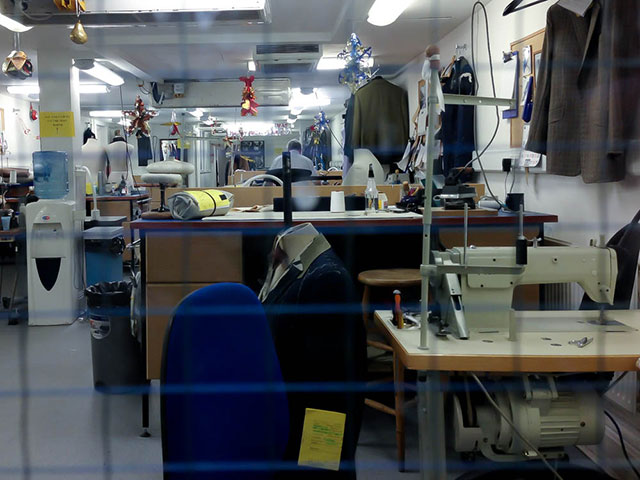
371 194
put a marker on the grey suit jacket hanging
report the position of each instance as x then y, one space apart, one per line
586 110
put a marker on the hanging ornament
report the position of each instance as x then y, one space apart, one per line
17 65
357 58
78 34
320 125
33 113
70 5
140 118
249 104
174 124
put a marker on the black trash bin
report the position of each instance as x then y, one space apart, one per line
115 352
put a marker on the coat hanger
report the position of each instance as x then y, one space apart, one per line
514 6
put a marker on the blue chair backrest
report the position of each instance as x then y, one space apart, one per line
224 407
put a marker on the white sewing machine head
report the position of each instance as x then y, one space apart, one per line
477 291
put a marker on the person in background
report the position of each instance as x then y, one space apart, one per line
298 161
117 137
240 163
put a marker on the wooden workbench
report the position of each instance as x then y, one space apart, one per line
179 257
538 349
542 346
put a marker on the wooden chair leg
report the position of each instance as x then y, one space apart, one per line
398 374
365 307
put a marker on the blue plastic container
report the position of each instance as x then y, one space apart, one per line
51 174
103 249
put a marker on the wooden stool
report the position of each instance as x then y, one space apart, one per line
390 279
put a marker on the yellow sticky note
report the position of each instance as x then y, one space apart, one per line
57 124
322 436
278 151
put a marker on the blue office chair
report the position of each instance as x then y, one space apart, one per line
223 404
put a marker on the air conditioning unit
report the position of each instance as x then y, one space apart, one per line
227 93
121 12
287 58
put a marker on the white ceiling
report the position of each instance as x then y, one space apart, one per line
211 51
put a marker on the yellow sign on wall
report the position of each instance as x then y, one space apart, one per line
57 124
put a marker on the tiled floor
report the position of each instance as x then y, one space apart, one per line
72 432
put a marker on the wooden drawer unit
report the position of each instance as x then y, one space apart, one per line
161 302
193 257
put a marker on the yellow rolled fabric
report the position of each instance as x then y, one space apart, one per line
195 204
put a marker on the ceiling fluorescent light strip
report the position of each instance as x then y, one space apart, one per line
105 113
99 71
334 63
85 88
11 24
385 12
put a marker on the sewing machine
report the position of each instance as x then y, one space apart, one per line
473 287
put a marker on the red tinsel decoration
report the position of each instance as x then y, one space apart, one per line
249 104
140 118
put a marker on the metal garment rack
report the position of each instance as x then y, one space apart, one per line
431 424
426 268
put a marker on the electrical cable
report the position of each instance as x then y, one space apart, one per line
622 444
506 179
514 428
493 87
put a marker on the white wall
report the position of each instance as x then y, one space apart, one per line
21 145
584 211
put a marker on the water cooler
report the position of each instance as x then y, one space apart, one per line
53 276
55 263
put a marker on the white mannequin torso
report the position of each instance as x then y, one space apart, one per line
94 157
117 154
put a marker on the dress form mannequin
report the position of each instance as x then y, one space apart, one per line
119 160
359 172
94 157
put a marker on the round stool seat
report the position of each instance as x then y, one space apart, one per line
391 278
167 179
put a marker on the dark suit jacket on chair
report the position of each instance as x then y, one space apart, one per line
320 339
586 107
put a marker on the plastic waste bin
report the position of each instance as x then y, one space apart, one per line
103 248
115 352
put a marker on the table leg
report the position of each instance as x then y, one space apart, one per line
145 411
431 427
399 410
365 307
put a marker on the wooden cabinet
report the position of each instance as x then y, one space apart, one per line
177 265
161 302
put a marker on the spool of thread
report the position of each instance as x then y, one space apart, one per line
397 311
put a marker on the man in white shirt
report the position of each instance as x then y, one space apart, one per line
298 160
